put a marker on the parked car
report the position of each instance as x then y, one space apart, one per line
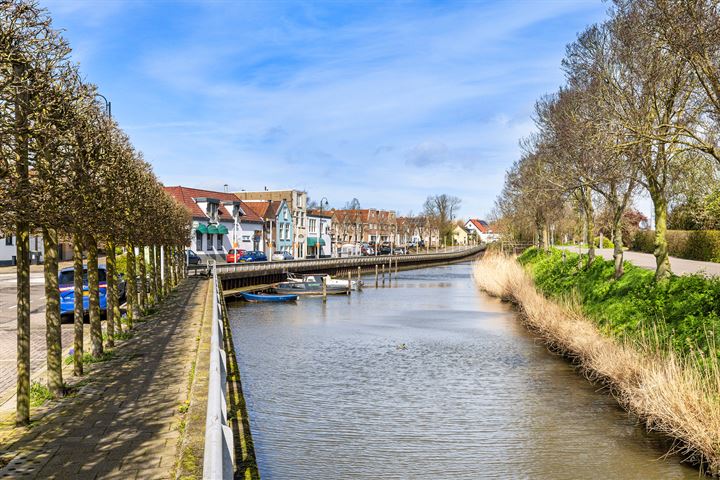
366 249
400 251
280 256
234 255
193 258
253 256
385 249
66 280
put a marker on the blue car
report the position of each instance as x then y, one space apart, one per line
253 256
67 289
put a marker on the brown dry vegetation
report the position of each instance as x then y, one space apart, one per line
679 397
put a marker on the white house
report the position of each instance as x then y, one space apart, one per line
8 249
319 238
220 222
482 229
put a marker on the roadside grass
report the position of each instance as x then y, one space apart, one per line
673 387
682 312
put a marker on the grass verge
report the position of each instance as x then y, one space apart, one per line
674 393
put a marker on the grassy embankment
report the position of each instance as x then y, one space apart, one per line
652 344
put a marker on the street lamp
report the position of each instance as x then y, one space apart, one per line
108 105
323 201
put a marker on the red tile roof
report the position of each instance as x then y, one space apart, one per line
186 196
264 208
481 225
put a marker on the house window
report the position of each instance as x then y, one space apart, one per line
8 240
210 241
198 240
312 224
285 215
219 242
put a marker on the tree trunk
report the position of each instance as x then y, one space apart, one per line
166 271
590 222
150 265
94 298
23 323
53 333
617 250
111 294
131 288
143 280
662 258
158 274
79 311
546 237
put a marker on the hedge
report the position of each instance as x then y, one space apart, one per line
691 244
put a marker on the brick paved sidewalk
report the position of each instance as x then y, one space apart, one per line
124 421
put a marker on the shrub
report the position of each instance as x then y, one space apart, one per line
691 244
606 243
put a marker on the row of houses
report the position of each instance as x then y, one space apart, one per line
279 221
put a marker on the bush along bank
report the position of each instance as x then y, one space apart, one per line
675 391
701 245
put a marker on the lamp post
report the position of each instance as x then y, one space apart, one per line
323 201
108 105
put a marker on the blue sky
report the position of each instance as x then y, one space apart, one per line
388 102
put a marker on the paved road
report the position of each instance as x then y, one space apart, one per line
679 266
8 328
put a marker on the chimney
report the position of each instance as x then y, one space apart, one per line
225 188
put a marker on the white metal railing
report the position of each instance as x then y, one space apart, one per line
219 446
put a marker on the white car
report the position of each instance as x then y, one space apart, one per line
280 256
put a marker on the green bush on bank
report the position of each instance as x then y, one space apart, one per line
691 244
683 312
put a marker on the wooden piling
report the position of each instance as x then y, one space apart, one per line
349 282
359 283
383 274
324 285
376 276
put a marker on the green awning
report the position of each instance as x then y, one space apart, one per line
222 229
212 229
312 241
202 228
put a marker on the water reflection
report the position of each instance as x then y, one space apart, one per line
331 396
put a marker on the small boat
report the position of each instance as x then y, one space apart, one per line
308 288
317 277
268 297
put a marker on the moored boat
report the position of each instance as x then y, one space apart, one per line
317 277
308 288
268 297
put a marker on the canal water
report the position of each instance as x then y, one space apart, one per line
429 378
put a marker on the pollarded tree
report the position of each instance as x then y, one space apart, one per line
31 51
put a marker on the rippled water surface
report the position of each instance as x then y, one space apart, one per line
332 394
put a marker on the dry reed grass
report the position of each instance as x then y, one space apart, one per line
679 397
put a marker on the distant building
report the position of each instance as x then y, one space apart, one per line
297 202
278 227
482 229
320 234
364 225
220 221
460 235
8 249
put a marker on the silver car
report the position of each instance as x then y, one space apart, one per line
280 256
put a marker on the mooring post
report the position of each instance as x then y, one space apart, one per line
396 268
324 285
358 280
376 276
349 282
383 274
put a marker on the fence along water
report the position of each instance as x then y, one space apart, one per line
218 457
